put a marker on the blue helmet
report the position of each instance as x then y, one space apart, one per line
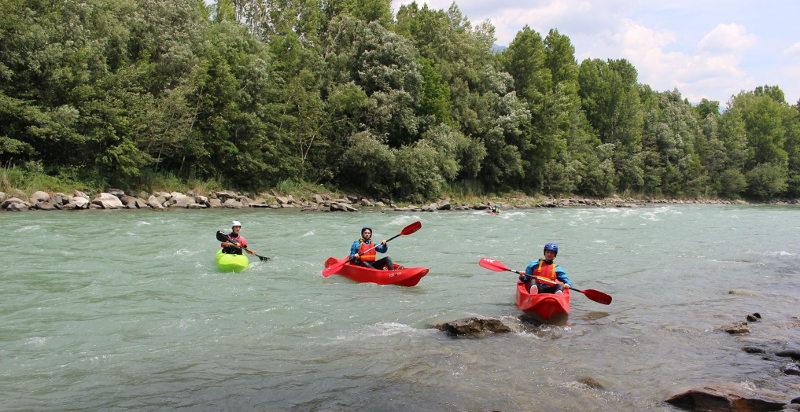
551 246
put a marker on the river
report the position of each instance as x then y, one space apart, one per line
111 310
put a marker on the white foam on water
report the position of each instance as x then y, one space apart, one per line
142 223
779 253
30 228
36 341
381 329
309 233
404 220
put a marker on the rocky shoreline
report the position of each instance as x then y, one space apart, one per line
117 199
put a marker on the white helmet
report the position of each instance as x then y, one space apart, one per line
236 223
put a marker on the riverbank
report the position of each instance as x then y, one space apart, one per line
309 202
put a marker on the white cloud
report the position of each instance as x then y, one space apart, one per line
667 53
793 49
727 38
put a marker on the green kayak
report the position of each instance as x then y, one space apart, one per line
231 263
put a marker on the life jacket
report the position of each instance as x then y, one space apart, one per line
233 250
547 271
369 256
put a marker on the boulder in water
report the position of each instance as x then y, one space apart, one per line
473 327
728 396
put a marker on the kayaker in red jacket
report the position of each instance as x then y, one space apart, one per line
236 242
363 251
547 276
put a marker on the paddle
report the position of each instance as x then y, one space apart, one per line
338 265
222 237
498 266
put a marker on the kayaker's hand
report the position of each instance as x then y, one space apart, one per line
566 286
356 256
383 243
251 252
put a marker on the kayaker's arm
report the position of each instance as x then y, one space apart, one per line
562 276
354 250
382 247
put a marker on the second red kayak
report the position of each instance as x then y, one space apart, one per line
399 276
544 305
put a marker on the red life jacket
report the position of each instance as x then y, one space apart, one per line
369 256
547 271
234 250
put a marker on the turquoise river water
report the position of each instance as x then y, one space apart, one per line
113 310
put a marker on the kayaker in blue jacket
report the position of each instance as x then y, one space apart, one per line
363 251
547 276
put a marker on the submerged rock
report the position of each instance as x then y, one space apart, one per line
791 353
473 327
728 396
791 369
737 328
754 317
592 383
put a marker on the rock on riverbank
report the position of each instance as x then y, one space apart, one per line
118 199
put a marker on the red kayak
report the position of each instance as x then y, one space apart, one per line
544 305
399 276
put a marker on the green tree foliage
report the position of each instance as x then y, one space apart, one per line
252 93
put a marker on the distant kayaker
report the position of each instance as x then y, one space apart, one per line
493 209
363 251
544 274
236 242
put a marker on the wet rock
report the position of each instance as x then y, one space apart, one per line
107 201
140 203
282 200
15 204
202 200
78 193
445 206
753 349
473 327
791 369
796 400
214 202
791 353
76 203
728 396
737 328
232 204
61 199
743 292
117 192
182 201
754 317
128 201
592 383
45 206
39 196
155 202
195 206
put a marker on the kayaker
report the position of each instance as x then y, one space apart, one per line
237 243
553 278
493 209
363 251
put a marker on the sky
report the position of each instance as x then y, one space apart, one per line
710 49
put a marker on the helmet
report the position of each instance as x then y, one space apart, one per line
365 228
551 246
236 223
